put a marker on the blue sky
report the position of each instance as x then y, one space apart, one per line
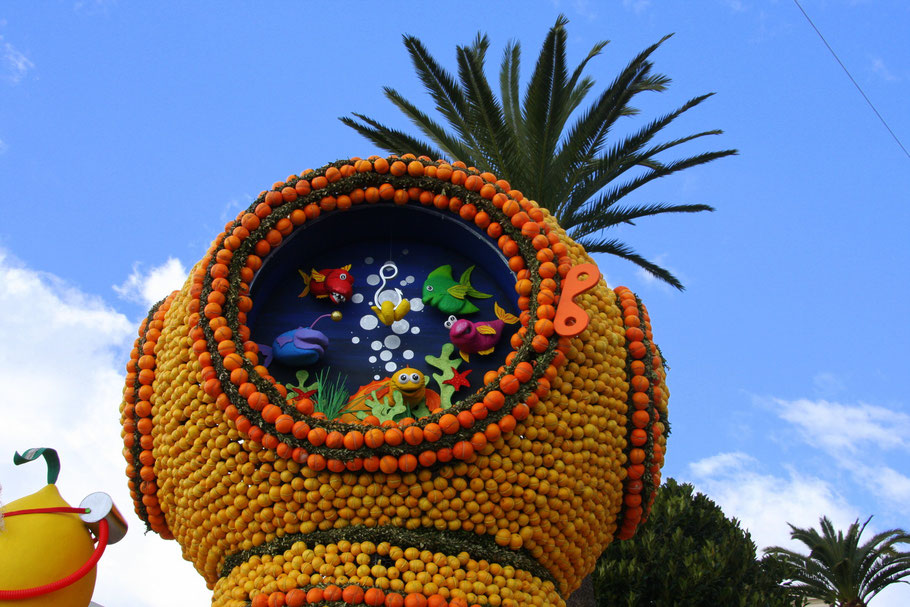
130 133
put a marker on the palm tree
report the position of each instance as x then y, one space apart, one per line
570 170
840 571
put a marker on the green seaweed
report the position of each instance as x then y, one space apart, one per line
447 364
332 395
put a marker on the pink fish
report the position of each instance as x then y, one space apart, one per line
336 284
480 337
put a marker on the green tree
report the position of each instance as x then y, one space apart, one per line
687 553
574 171
838 569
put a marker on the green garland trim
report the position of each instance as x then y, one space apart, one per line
136 449
344 186
446 542
647 479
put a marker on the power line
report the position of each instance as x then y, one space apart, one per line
858 87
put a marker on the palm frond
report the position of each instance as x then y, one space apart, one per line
442 86
595 220
485 112
574 170
508 87
392 140
451 146
620 249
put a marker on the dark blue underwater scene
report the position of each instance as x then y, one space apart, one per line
400 277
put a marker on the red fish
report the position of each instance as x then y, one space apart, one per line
336 284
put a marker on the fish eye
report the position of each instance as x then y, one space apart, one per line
343 276
449 322
403 378
429 287
415 378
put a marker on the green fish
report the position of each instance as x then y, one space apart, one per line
450 297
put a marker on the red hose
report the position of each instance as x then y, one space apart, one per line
27 593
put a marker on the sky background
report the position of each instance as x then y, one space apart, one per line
129 134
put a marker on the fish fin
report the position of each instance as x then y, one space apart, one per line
318 277
306 282
487 351
509 319
465 356
346 268
444 271
466 276
321 296
464 286
402 308
485 329
267 352
458 291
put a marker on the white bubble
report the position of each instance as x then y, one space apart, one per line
390 367
376 377
385 355
368 260
400 326
387 295
392 341
369 322
372 359
415 330
357 298
404 283
373 280
416 304
409 279
376 345
404 251
408 354
355 340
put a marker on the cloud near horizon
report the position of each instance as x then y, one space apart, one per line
62 363
148 287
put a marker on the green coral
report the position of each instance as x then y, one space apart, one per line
447 364
386 408
302 387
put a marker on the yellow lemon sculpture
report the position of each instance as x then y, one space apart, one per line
37 549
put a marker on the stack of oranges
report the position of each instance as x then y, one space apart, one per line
505 498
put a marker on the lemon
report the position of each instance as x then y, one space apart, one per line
39 549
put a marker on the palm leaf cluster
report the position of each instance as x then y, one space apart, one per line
543 143
838 569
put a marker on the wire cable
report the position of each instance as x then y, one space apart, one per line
846 71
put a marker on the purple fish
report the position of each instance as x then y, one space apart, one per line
299 347
480 337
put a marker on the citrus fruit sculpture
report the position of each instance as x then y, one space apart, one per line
313 420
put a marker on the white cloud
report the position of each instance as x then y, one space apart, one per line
150 287
881 70
828 384
839 428
3 147
765 503
736 6
855 439
62 362
636 6
15 65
